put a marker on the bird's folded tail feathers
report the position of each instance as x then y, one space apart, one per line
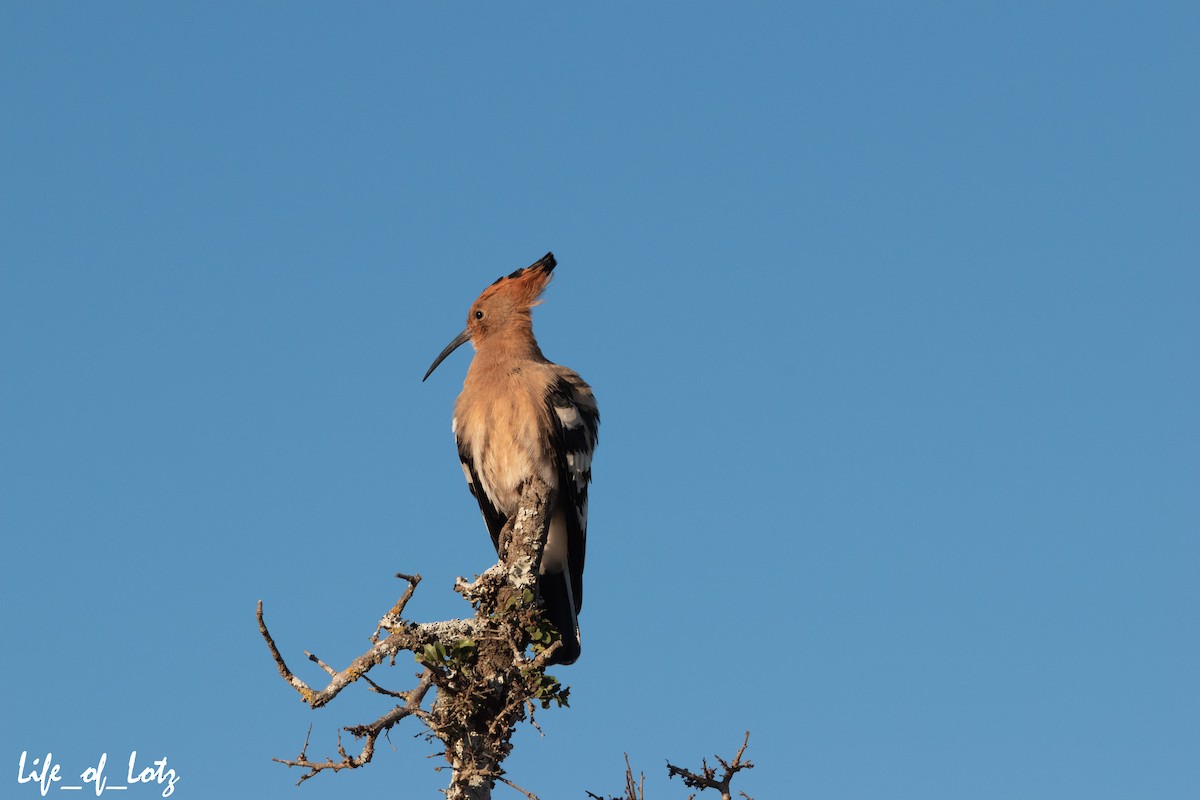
555 590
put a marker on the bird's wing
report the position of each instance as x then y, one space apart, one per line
491 515
576 422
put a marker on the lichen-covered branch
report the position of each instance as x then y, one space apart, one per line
488 670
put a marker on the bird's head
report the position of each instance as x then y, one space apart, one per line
503 308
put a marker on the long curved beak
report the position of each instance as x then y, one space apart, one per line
463 337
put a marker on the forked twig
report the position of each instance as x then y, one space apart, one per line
707 778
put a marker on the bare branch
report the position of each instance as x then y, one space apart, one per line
369 732
707 777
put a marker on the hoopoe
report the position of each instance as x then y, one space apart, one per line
520 415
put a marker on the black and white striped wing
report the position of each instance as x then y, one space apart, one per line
576 420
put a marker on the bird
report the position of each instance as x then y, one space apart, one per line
519 416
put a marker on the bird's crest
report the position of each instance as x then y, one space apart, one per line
523 288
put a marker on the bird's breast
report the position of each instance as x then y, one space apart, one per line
504 431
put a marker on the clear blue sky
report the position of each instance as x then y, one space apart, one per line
891 314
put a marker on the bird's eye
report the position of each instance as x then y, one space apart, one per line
478 315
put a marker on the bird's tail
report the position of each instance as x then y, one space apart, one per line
555 590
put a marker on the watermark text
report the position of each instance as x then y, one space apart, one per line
46 774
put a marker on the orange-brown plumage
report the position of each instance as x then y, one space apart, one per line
499 322
520 415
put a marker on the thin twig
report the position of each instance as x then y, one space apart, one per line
525 792
328 669
634 790
375 687
393 617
